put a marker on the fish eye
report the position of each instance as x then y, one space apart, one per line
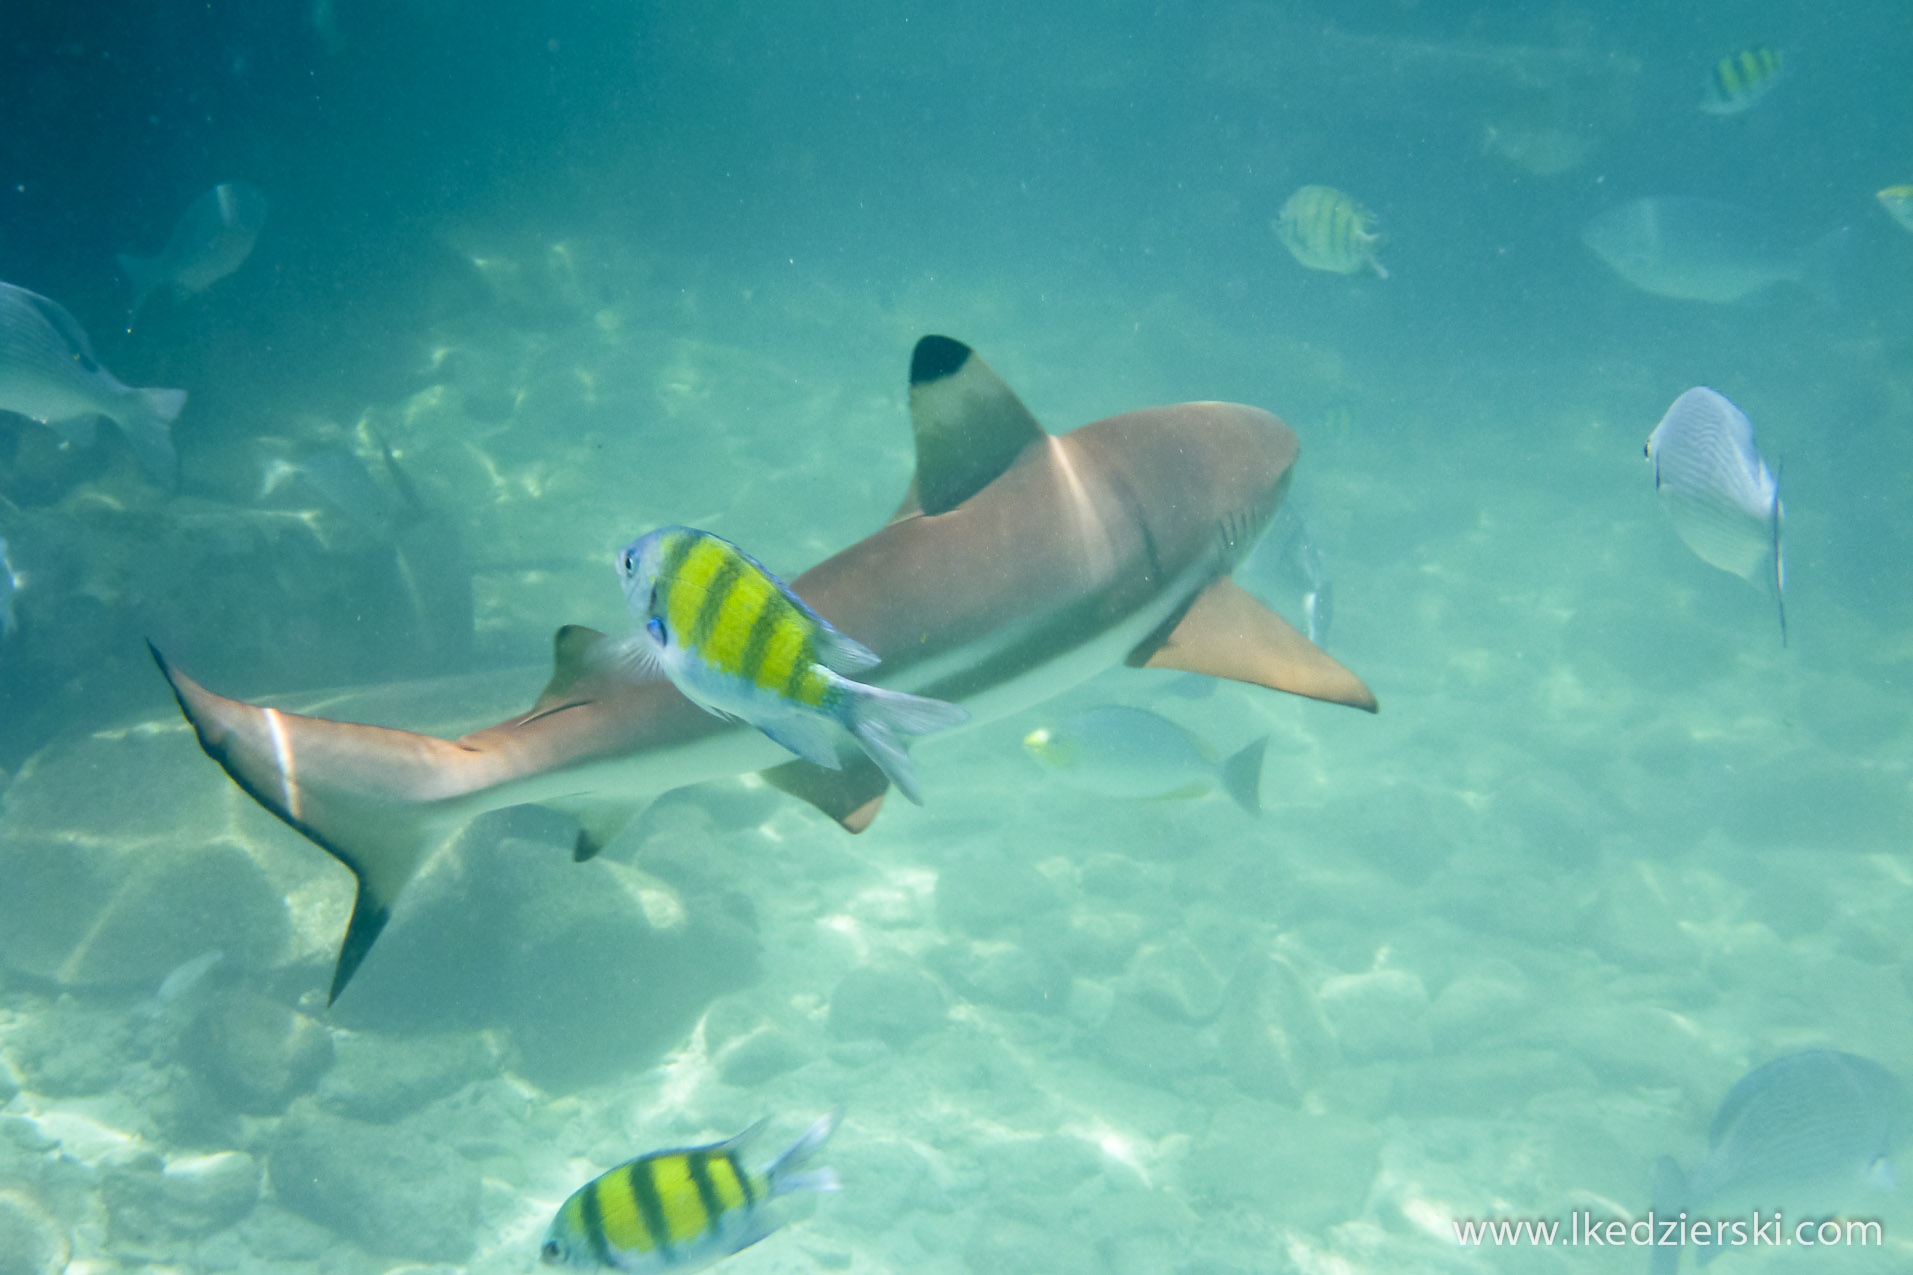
627 562
551 1252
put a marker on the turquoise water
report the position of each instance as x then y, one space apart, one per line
1491 953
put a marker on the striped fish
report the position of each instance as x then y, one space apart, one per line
739 643
1740 79
680 1210
1723 499
1325 229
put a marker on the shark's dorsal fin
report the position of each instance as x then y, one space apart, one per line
1227 633
970 426
574 671
852 796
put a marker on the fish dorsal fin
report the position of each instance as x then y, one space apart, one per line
575 669
852 796
969 425
1227 633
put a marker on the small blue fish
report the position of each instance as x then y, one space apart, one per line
1117 751
48 371
739 643
1723 500
684 1209
1740 79
1807 1135
213 238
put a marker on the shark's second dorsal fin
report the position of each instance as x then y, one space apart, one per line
574 667
1227 633
970 426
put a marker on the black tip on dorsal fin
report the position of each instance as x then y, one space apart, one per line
970 426
935 358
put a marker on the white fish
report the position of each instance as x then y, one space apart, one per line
1117 751
180 988
213 238
1808 1135
9 585
1723 499
48 371
1701 249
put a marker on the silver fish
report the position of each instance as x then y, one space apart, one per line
1724 501
1807 1135
1285 569
9 585
213 238
180 988
48 371
341 479
1699 249
1117 751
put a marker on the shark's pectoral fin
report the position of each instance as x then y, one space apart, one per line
969 426
1227 633
852 796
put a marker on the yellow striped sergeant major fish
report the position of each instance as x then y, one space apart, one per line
684 1209
739 643
1740 79
1325 229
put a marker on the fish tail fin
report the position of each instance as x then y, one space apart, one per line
141 272
1242 776
147 423
876 717
784 1173
1669 1197
361 793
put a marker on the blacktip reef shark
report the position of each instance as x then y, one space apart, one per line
1020 564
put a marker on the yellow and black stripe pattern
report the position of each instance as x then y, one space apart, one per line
670 1206
1741 78
721 605
1326 229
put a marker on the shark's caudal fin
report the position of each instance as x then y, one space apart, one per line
1227 633
363 793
